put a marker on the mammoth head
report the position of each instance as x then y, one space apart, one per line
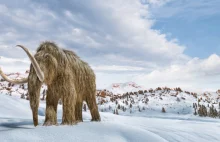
44 66
36 66
43 70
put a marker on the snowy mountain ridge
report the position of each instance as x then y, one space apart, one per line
120 88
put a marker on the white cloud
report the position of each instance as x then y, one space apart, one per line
155 2
9 65
121 25
3 9
134 27
117 68
196 74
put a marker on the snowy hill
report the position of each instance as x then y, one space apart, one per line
120 88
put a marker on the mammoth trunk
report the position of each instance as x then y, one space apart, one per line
34 87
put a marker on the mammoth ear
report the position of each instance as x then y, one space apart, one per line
47 55
51 60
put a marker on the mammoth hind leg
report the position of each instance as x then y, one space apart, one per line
78 111
51 109
91 102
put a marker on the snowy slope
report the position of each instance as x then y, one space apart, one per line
16 125
150 102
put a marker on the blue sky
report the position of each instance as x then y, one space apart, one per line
151 42
194 23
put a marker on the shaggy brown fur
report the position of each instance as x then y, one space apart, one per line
68 78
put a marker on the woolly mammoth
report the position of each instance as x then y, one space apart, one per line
67 78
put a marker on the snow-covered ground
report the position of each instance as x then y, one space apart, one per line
16 125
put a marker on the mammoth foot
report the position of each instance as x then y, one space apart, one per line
69 123
96 119
49 123
78 121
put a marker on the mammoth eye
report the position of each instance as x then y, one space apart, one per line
46 56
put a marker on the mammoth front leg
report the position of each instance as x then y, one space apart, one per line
51 109
69 103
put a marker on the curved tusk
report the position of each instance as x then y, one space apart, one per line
36 66
14 81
